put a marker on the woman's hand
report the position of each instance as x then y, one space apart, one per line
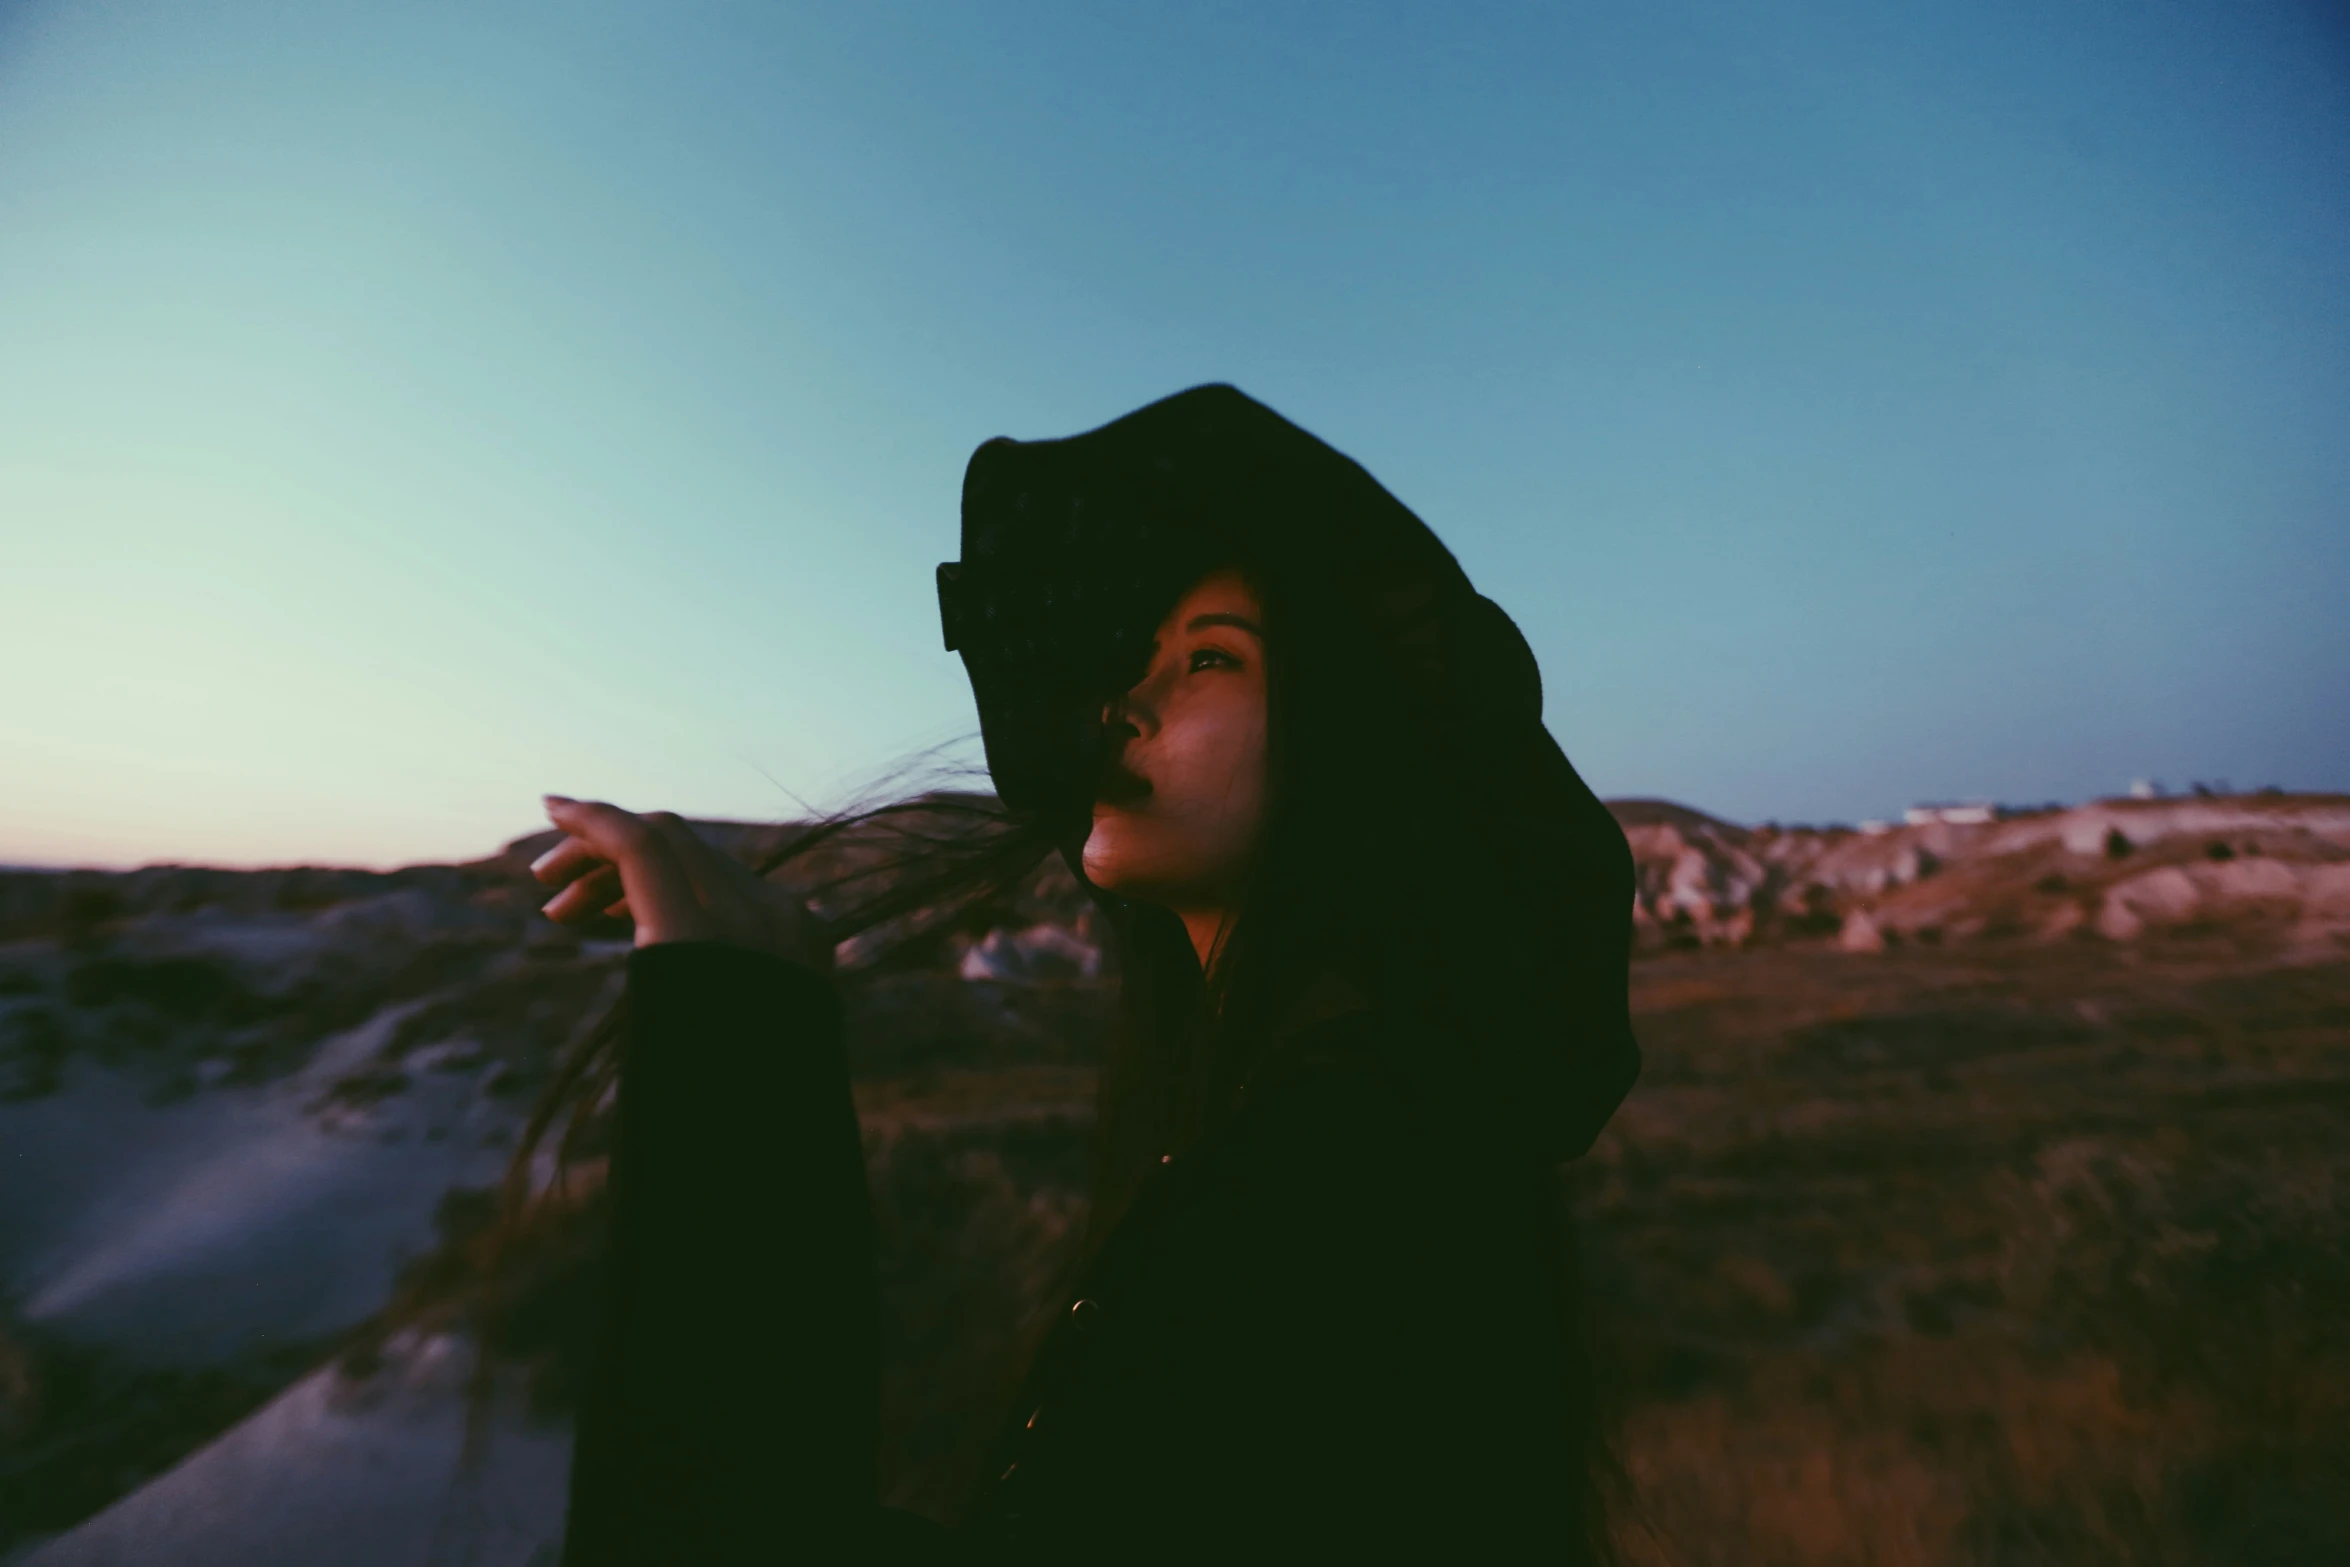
652 869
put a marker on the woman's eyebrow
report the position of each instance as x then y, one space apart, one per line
1242 621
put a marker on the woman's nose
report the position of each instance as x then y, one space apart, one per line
1135 709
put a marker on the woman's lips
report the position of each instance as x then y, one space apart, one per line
1119 784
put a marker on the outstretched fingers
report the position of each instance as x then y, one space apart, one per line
591 897
587 884
565 863
641 867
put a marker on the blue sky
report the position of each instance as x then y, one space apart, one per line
408 410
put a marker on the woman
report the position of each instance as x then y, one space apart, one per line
1373 932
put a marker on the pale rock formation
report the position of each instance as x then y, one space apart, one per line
1860 933
2111 869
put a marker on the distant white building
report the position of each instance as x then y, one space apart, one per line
2145 789
1972 814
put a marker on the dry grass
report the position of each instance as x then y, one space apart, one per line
2000 1254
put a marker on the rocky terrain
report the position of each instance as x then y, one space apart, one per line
2272 867
1983 1199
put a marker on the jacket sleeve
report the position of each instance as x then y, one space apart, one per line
730 1409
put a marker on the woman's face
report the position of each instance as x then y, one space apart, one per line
1184 797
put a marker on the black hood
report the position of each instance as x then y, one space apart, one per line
1075 549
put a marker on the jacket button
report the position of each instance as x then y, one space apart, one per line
1085 1314
1034 1415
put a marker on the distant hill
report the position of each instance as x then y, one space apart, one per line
2266 866
1665 813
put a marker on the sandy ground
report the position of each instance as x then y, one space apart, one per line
187 1233
359 1472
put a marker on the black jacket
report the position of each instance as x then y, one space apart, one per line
1326 1331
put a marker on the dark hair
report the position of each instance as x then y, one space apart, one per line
1359 890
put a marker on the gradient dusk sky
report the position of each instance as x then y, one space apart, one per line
408 409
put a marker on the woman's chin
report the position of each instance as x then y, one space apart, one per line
1100 859
1110 862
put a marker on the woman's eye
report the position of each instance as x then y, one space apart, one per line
1209 653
